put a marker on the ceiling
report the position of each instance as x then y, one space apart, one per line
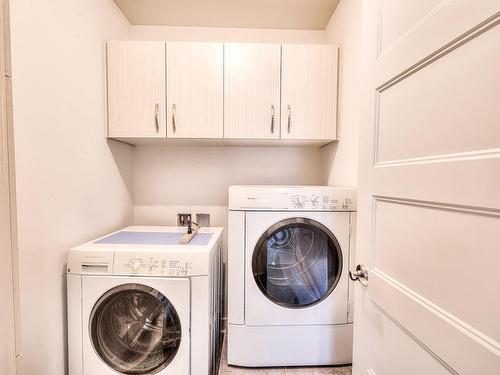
267 14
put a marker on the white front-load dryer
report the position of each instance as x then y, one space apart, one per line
289 293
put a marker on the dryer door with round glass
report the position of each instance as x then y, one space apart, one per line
136 326
294 266
297 263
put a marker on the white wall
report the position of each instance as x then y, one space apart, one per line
344 30
72 185
200 176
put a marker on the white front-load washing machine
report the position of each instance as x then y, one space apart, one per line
289 293
141 303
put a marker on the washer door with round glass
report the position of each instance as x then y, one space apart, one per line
295 264
135 328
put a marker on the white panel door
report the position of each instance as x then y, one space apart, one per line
252 90
195 90
136 89
429 189
309 92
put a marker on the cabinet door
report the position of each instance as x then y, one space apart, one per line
252 90
136 89
195 90
309 92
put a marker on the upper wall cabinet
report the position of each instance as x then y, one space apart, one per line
252 91
232 93
195 90
309 92
136 89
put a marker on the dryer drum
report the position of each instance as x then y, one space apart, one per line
135 329
297 263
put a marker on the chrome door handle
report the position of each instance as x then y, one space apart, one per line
361 274
157 114
289 108
272 118
174 126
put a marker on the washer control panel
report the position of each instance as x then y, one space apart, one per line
157 264
293 198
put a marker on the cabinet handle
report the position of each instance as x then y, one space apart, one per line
289 108
272 118
174 127
157 114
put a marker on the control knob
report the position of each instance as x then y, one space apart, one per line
136 264
151 264
297 202
315 200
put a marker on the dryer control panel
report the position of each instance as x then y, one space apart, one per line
292 198
321 202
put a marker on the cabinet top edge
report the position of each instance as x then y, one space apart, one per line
224 43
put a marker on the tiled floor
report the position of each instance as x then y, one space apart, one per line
225 369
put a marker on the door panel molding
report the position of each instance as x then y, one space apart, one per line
462 182
405 255
439 205
449 47
428 13
449 72
423 43
415 340
432 325
492 153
